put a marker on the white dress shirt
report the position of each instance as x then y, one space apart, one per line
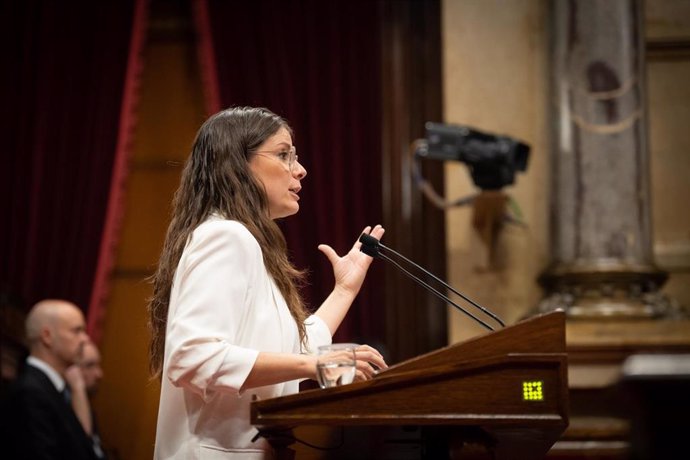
224 309
47 369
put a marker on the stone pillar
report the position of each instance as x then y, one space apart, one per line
602 259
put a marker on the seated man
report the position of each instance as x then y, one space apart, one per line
84 379
38 421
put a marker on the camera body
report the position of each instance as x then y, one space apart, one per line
491 159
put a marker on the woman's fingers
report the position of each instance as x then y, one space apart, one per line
370 355
360 376
366 230
368 362
377 232
364 371
330 253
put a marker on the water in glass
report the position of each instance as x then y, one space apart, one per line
336 364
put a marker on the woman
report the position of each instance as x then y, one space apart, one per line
226 316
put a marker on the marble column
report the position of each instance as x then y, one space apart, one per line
602 259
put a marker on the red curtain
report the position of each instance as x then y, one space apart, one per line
67 68
318 64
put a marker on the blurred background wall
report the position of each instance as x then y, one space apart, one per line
494 77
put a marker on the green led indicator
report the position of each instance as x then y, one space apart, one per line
532 390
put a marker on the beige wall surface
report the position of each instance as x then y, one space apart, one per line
496 79
668 21
669 118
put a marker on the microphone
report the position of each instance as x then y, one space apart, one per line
374 248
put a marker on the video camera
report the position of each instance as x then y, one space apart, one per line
491 159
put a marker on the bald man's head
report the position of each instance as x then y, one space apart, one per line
56 333
43 314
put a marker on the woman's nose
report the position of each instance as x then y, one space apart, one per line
299 172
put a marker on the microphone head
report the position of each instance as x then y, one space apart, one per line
370 245
368 240
371 251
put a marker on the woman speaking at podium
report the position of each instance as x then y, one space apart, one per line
226 318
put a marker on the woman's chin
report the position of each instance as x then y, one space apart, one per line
285 212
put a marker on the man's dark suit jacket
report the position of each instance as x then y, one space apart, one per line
39 424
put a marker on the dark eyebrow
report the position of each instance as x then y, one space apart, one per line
279 145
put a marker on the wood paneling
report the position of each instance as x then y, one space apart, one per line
150 192
415 320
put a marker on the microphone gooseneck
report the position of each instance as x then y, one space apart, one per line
373 247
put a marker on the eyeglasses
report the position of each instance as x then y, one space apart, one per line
288 157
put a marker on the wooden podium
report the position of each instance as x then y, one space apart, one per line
506 390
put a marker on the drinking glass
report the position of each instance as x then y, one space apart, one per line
336 364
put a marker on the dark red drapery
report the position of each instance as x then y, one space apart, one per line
64 80
318 64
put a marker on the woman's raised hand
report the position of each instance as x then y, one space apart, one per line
349 271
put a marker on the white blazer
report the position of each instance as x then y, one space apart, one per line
224 309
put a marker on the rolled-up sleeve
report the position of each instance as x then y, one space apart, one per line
214 280
318 333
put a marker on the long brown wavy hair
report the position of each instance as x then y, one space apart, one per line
217 179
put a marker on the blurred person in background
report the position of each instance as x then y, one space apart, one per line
85 377
37 419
